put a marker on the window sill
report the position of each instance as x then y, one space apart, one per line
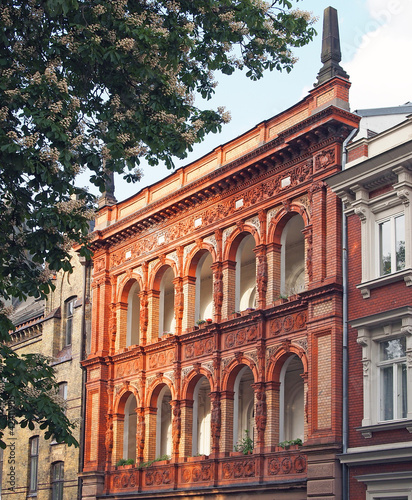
367 286
368 430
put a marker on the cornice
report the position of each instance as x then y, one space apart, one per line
286 149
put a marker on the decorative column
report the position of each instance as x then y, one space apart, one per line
307 232
217 290
108 440
144 317
261 275
112 320
179 304
260 415
216 421
140 434
176 428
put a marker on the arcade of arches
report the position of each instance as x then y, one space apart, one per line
213 414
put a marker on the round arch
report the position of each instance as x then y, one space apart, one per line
121 398
235 238
154 389
278 223
193 257
231 372
277 360
193 378
126 284
158 271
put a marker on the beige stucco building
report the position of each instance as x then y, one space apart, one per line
57 328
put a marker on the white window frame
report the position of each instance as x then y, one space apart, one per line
373 211
378 258
372 330
388 486
384 364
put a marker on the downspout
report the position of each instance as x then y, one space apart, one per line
345 356
86 267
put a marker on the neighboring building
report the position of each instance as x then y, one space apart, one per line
376 189
249 236
56 328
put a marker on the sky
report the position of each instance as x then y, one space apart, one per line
376 43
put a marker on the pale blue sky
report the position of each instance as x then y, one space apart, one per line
376 45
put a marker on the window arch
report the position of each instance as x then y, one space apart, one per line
243 405
68 320
57 480
201 439
245 289
133 315
164 423
167 321
293 257
204 288
291 408
130 428
34 463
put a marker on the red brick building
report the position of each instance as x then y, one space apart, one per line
376 188
217 317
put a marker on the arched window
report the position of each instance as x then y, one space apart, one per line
68 318
130 428
57 480
245 293
34 463
201 418
63 394
243 410
204 288
167 303
293 257
291 418
164 423
133 316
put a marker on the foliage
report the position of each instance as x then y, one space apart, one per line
287 444
102 84
151 462
29 396
245 445
200 322
124 461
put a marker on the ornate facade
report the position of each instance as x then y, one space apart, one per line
217 319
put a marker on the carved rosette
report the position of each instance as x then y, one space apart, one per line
287 465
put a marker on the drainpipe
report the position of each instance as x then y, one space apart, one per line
345 357
86 266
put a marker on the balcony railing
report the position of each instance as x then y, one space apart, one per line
204 472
